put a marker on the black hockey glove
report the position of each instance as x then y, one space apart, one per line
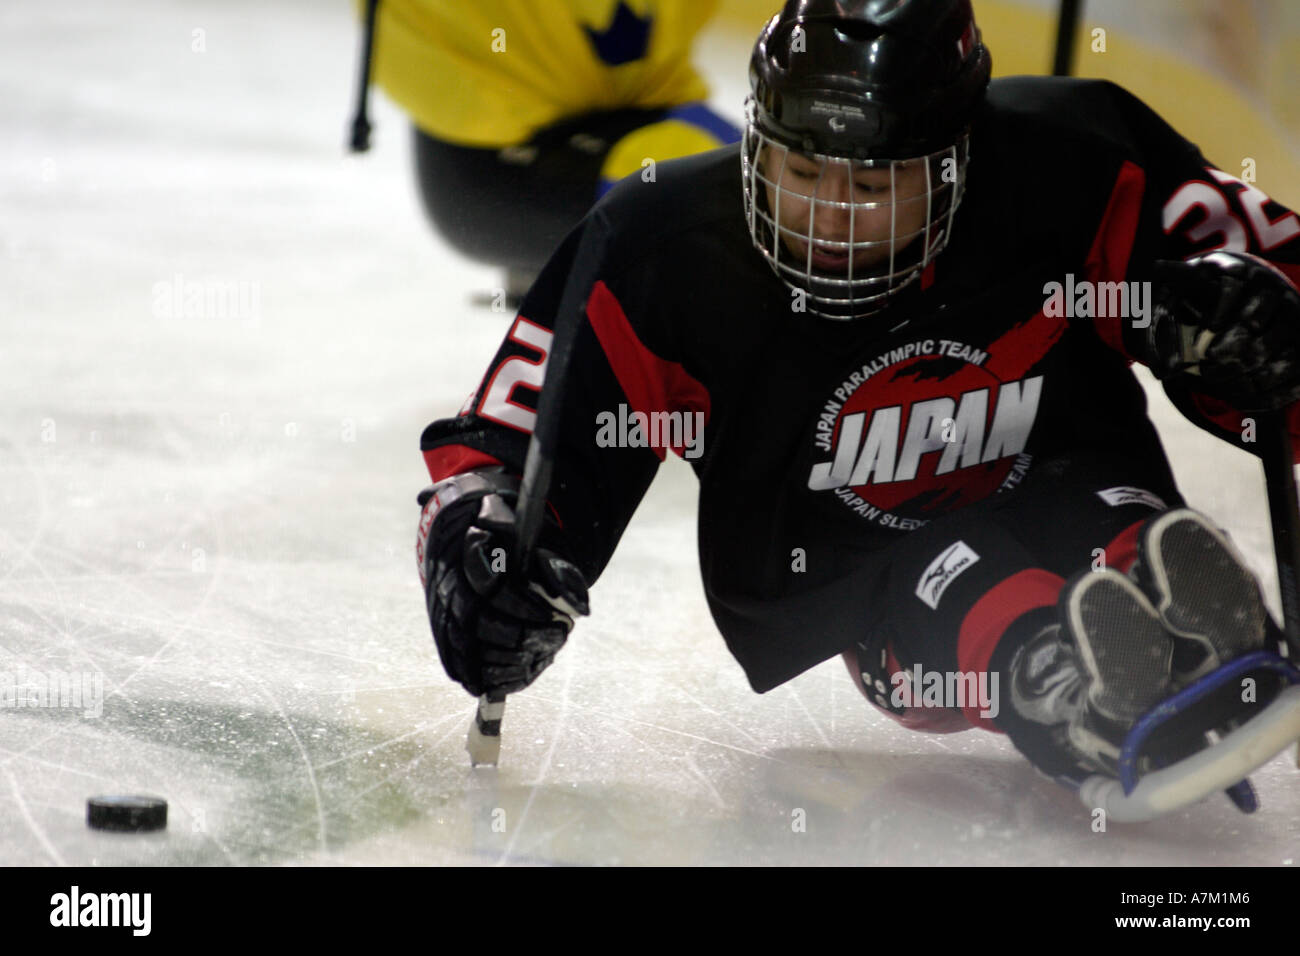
1227 325
495 630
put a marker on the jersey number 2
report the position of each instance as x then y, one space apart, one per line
517 370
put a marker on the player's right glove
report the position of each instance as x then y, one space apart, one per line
495 630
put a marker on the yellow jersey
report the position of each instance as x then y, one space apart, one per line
490 73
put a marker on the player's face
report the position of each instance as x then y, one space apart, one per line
814 201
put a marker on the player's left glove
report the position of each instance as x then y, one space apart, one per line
1228 325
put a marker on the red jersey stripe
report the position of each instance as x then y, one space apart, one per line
650 383
1113 244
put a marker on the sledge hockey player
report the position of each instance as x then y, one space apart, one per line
524 111
916 452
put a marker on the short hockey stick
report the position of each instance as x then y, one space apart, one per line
484 740
1284 514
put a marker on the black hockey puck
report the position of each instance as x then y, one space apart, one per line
126 813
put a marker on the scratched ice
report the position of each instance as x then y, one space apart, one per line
210 510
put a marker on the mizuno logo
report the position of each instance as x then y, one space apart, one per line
942 571
1124 495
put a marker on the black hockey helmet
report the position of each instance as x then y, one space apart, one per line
852 85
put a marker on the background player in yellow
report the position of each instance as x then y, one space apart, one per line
525 111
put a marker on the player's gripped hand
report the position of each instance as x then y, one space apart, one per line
495 630
1230 322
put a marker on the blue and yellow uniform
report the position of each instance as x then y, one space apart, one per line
614 77
492 74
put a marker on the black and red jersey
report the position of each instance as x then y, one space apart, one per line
823 440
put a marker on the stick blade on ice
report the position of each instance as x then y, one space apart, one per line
484 740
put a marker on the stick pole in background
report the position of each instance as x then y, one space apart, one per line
360 141
1067 26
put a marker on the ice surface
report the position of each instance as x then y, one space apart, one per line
215 515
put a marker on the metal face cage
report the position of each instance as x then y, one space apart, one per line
849 234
